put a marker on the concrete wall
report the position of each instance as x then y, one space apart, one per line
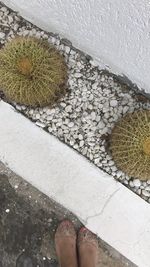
116 32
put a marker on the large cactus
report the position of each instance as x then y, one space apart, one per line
32 72
130 144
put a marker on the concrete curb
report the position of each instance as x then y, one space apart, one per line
117 215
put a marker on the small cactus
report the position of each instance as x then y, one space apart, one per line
130 144
32 72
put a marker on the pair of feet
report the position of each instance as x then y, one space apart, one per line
73 250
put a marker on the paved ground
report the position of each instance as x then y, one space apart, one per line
28 220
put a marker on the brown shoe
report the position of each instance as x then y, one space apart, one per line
65 243
87 248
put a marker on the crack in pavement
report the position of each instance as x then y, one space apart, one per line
103 208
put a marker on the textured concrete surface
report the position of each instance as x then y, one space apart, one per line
29 226
114 32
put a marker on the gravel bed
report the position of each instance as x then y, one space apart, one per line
84 118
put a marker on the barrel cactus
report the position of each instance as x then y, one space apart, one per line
32 72
130 144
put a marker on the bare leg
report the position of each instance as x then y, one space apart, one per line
65 242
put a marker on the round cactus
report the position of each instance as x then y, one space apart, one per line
32 72
130 144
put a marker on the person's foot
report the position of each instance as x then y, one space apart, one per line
87 248
65 243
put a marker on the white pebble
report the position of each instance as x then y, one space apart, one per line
125 109
137 182
90 107
113 103
139 191
84 151
67 49
63 105
93 115
18 107
147 188
40 124
101 125
50 129
31 112
119 174
81 143
68 108
94 86
10 19
50 111
110 163
96 161
49 118
113 168
146 193
70 124
78 75
102 148
7 210
2 35
37 116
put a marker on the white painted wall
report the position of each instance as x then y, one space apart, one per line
116 32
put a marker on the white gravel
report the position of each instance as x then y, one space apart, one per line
85 117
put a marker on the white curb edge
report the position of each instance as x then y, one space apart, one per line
117 215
